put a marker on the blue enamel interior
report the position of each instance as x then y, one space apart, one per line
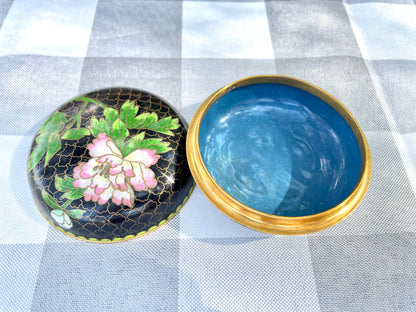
280 150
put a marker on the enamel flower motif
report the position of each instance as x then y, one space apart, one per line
109 175
61 218
119 164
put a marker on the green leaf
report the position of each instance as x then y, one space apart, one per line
165 125
37 155
63 185
137 142
75 213
49 200
150 121
155 144
43 138
111 115
66 204
46 129
67 186
58 118
53 147
89 100
128 113
98 127
119 130
138 137
144 120
75 134
46 138
46 124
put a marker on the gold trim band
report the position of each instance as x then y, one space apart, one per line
261 221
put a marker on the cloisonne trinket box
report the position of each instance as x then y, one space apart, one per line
274 153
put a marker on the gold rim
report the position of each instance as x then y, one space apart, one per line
261 221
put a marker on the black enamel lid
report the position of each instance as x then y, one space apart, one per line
110 165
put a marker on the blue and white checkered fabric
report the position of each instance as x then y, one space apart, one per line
362 52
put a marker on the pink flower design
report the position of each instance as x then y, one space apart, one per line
108 175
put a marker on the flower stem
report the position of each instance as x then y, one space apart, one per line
66 204
87 100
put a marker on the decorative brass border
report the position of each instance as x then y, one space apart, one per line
261 221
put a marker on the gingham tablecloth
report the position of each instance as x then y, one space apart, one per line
364 53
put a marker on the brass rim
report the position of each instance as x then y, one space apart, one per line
261 221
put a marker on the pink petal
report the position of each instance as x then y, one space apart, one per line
117 197
128 169
88 169
125 197
78 181
144 177
105 196
113 180
88 194
102 136
145 156
149 177
138 183
82 183
77 170
127 202
121 181
103 146
113 160
118 181
116 170
100 183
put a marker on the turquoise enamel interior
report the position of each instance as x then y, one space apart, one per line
280 150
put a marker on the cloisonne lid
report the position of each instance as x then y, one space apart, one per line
110 165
